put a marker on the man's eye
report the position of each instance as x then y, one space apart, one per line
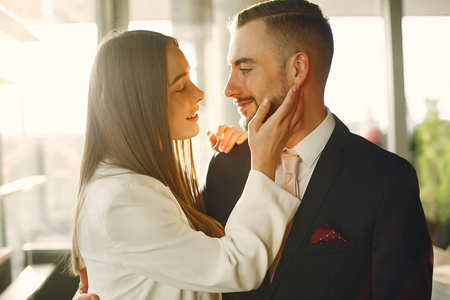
244 70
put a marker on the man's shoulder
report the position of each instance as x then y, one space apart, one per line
239 154
230 168
362 152
367 157
365 146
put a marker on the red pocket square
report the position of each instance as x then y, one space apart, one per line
325 234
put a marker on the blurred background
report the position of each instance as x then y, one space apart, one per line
389 82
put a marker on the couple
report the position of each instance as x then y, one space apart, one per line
360 232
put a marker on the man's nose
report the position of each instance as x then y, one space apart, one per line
231 88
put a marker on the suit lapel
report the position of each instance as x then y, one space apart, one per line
327 168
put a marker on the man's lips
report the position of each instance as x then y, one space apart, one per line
243 104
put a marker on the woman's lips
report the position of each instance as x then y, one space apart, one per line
194 118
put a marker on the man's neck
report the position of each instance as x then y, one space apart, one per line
310 122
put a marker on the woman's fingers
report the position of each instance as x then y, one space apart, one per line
243 136
288 108
79 296
296 121
213 140
278 128
83 286
226 138
257 120
231 139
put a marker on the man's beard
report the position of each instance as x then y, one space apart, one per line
275 103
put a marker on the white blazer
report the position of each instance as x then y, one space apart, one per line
137 242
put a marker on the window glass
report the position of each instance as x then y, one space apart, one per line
357 90
43 113
426 49
162 26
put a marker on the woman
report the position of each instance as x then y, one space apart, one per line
140 227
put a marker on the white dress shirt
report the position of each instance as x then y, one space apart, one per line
309 150
137 242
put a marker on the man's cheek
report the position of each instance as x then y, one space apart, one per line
250 111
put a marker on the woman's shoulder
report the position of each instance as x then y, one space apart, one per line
120 177
115 184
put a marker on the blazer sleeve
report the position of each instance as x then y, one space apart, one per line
150 237
225 181
402 249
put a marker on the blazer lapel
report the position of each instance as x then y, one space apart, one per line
327 168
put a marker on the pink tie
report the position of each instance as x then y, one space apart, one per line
291 164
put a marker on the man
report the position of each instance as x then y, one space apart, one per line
366 196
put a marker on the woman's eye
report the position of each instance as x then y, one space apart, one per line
180 90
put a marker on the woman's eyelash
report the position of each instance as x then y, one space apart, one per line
180 90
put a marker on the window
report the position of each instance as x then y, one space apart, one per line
426 62
43 100
427 90
356 90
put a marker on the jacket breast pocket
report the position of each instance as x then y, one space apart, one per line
323 249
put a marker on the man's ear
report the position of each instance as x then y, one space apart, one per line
302 68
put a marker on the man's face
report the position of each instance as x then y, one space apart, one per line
255 71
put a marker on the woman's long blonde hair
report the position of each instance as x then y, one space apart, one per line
127 125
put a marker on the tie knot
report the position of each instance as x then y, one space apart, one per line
290 163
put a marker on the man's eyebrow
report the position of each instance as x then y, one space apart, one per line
178 77
241 60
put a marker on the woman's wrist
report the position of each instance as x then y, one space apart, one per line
267 167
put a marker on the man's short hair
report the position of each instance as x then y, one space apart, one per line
295 25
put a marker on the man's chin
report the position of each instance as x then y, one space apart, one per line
246 116
244 122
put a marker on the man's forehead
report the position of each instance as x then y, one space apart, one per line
246 44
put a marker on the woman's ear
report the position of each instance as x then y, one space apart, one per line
302 68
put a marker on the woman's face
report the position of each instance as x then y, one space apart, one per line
184 96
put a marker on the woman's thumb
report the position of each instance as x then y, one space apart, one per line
261 113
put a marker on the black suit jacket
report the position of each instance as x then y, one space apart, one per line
370 196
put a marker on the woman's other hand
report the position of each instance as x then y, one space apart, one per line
83 287
226 137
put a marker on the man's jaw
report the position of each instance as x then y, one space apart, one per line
243 122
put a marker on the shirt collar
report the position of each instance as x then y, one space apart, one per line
312 145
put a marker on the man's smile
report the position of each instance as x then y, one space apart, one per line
243 104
